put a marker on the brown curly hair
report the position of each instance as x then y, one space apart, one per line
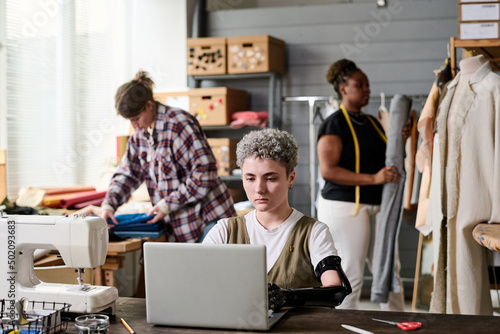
132 96
339 72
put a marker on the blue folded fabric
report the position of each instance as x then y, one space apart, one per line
135 222
139 234
27 331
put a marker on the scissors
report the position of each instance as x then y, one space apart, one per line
406 326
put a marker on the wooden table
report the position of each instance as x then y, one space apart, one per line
315 320
488 235
105 274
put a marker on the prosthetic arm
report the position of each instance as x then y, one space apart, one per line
320 296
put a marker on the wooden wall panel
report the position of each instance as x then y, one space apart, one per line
408 41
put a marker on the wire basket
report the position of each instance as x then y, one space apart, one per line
43 317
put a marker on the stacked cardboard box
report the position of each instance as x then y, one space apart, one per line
214 106
478 19
243 54
255 54
224 150
206 56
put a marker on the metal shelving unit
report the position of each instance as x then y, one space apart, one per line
274 109
275 88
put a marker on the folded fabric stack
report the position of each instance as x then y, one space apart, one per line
135 225
249 118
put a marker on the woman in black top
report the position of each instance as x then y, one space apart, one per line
351 153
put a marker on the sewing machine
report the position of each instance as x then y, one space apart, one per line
82 243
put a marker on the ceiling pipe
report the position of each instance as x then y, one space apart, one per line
199 19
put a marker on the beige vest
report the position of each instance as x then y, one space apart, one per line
293 268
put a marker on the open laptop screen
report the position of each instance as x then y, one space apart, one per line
201 285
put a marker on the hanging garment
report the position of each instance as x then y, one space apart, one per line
411 150
384 258
383 114
424 155
465 191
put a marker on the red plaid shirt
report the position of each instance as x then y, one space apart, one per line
177 165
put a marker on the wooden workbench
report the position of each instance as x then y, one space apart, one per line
103 275
315 320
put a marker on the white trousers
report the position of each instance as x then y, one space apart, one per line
354 239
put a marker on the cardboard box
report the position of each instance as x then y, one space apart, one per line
206 56
224 150
214 106
479 30
479 12
255 54
173 99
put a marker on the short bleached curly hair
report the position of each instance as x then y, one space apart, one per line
272 144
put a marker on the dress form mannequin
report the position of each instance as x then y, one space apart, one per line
467 67
465 188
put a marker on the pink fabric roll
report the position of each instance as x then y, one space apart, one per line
96 202
67 190
80 198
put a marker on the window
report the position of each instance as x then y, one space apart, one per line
65 60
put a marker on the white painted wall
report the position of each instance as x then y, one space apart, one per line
158 46
159 42
3 88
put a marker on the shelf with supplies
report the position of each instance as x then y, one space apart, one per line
274 95
225 131
232 181
489 48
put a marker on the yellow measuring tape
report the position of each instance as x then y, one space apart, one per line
356 152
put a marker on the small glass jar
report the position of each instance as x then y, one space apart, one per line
92 324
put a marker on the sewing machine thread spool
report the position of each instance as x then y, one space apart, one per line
92 324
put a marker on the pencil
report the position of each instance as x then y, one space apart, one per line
127 326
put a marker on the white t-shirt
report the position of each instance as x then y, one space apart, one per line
320 245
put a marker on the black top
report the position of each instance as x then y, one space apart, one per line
372 155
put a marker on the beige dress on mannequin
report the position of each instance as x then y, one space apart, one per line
465 188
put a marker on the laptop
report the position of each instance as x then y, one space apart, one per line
205 285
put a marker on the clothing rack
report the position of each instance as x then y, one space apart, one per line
314 111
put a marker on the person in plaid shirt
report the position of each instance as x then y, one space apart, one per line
169 152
